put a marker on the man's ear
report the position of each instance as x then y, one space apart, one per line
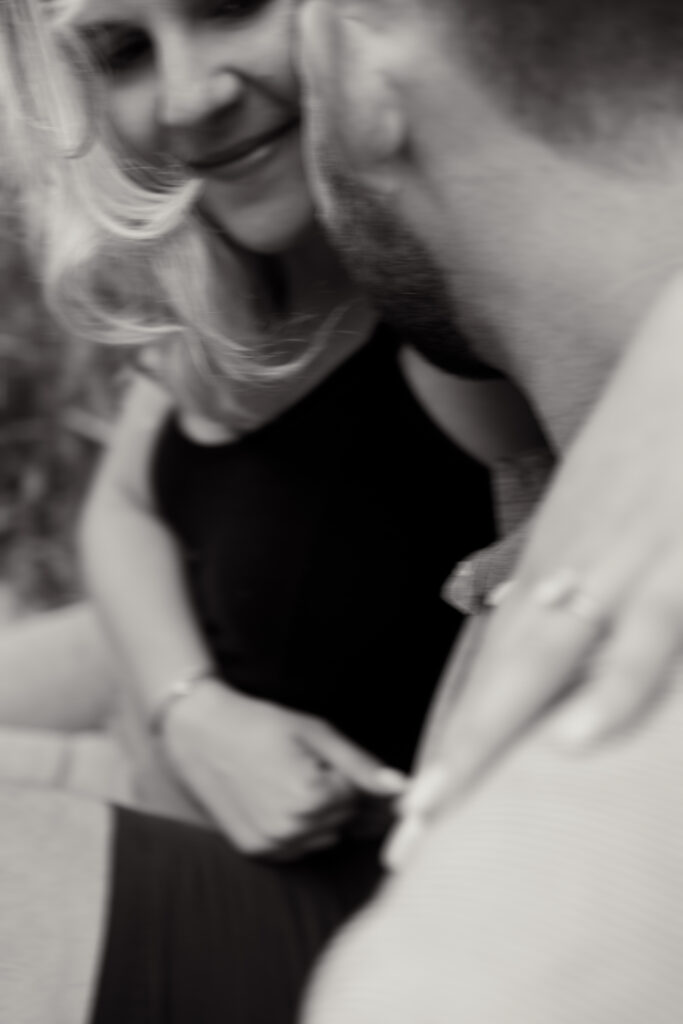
385 133
380 129
346 64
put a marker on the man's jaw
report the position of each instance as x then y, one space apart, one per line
393 266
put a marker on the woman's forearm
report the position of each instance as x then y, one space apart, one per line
132 563
136 578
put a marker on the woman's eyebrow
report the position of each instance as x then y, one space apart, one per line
99 35
92 31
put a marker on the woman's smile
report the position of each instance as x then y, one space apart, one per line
247 156
211 86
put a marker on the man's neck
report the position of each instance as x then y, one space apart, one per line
563 378
560 350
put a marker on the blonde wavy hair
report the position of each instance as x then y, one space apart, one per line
123 252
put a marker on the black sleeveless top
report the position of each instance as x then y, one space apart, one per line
316 546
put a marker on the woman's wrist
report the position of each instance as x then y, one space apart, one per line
176 692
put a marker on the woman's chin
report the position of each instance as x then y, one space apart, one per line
269 228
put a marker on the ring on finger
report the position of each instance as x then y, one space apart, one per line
564 591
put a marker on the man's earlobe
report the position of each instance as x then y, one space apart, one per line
388 133
380 133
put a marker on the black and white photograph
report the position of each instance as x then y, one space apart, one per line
341 512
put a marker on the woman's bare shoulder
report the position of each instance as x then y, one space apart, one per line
489 419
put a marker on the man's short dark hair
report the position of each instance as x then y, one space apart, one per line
563 64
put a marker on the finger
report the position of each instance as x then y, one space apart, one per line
633 670
332 788
425 794
301 847
321 791
402 843
354 763
530 660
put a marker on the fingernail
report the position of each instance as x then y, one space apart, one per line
578 727
391 782
425 793
402 843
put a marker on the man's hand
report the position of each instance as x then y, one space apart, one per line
280 784
594 619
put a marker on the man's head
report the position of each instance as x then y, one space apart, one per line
532 150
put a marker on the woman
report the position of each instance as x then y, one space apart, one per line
269 533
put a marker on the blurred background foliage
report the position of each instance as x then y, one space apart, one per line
56 403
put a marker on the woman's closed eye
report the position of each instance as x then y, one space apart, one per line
117 49
234 9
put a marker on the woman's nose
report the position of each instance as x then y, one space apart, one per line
190 91
196 101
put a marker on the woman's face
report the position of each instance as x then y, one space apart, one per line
210 83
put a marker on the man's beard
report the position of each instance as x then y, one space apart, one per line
396 270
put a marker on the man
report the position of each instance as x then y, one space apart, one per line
516 168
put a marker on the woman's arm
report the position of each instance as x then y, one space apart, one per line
131 560
136 580
276 781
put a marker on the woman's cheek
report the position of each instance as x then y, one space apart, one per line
131 111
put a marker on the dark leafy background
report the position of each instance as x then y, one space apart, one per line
57 399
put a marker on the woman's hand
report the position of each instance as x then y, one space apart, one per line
278 783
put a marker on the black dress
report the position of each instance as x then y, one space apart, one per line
315 551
